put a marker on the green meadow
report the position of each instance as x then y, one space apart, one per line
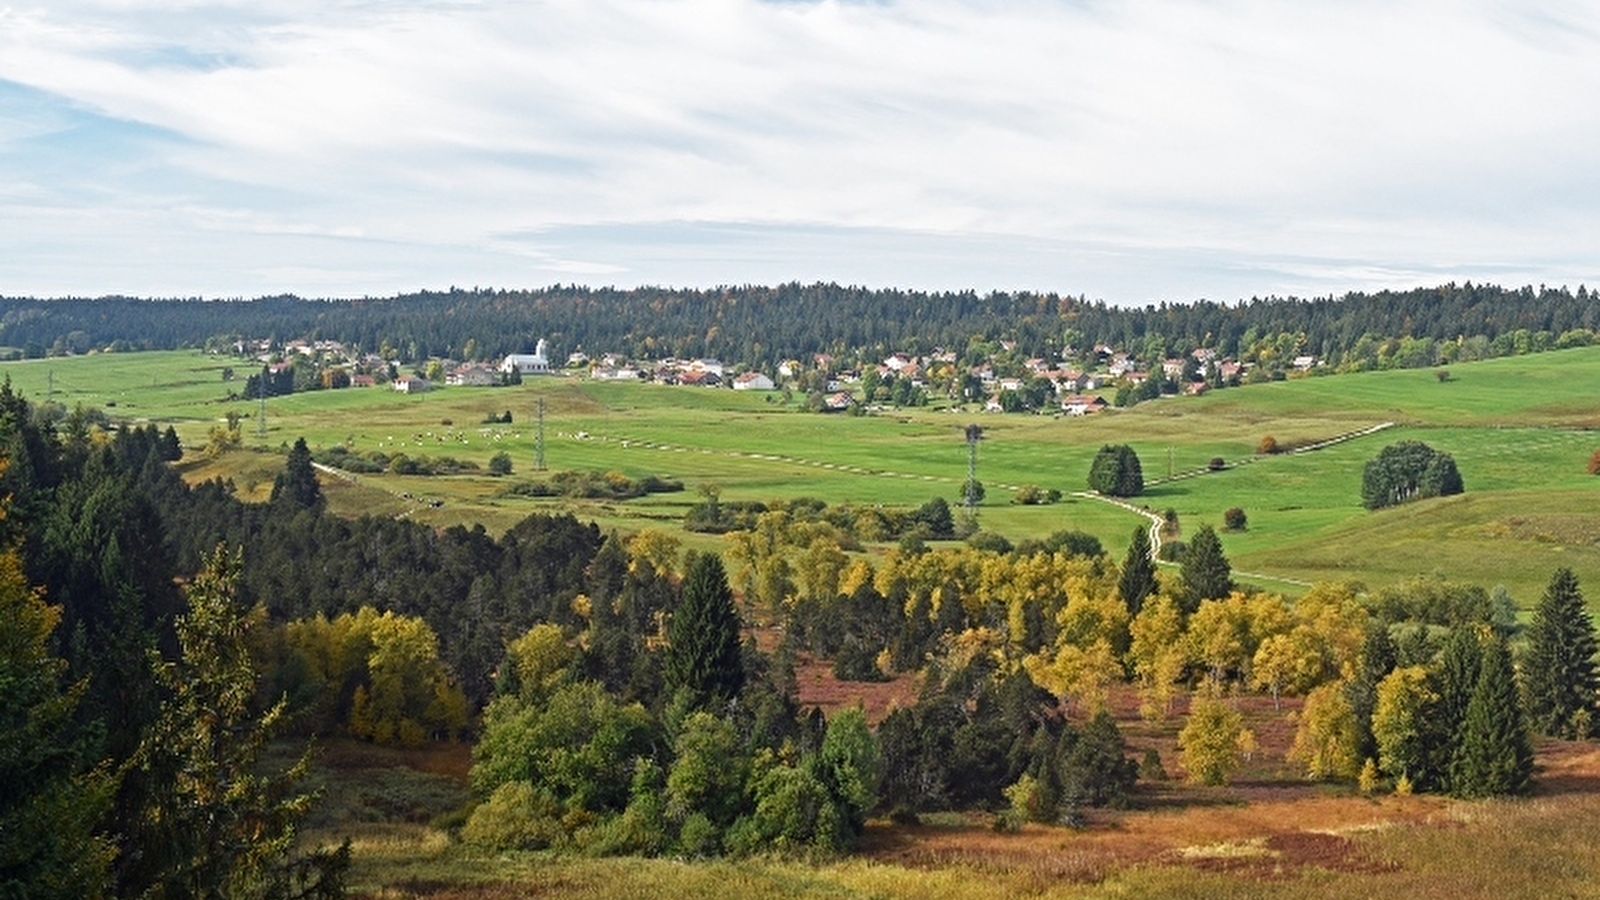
1521 430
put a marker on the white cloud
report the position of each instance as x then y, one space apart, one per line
1139 149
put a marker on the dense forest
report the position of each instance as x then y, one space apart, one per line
760 326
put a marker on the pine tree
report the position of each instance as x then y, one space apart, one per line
297 484
703 655
1205 571
1560 665
1096 770
1494 756
171 448
218 826
1138 579
1460 670
49 802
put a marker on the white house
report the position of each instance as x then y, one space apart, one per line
410 384
1082 405
753 381
707 365
472 374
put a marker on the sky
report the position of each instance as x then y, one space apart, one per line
1132 151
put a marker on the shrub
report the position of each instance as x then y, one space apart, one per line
1075 543
1234 519
1267 446
500 464
1594 463
1217 464
1033 495
515 817
1150 768
989 541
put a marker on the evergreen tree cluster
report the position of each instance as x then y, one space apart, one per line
1116 472
1408 470
1432 713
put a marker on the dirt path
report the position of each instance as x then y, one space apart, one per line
1156 519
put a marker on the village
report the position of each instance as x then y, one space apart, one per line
1078 384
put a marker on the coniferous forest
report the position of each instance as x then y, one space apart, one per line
761 326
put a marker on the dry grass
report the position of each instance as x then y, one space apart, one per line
1269 835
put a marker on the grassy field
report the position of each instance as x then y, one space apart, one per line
1521 430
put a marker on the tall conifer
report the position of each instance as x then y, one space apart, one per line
297 484
1138 579
1560 667
1493 756
703 644
1206 573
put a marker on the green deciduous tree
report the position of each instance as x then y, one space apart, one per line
1560 665
1116 472
500 464
852 765
708 775
794 810
576 750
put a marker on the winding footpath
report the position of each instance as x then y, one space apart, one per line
1156 518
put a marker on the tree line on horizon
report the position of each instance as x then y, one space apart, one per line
760 326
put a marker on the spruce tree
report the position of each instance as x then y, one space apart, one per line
1494 756
1560 666
219 823
1377 660
1460 670
50 798
1205 571
1138 579
1116 472
297 484
703 655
